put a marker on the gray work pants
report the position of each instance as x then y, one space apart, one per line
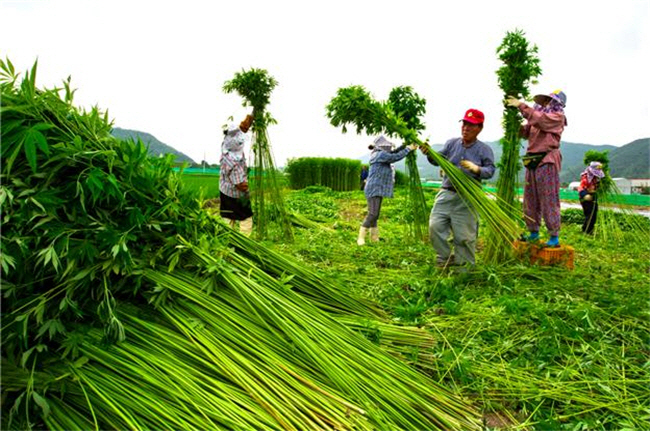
450 214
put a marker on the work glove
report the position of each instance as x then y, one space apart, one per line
413 147
242 187
588 198
246 123
513 101
472 167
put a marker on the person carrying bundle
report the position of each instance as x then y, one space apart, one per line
587 191
543 161
380 183
450 214
235 203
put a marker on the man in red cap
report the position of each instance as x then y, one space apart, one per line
450 214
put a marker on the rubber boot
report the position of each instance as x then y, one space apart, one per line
246 226
230 222
554 241
374 234
534 236
363 231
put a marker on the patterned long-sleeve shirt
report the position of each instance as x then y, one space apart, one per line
478 153
381 179
543 131
232 172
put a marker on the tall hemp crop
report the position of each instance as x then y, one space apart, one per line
127 306
410 107
336 173
520 68
354 105
255 87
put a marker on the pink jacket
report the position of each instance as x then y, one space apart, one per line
543 132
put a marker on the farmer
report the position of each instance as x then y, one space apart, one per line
543 162
235 203
380 182
589 183
450 214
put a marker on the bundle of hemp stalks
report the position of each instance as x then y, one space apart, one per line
127 306
354 105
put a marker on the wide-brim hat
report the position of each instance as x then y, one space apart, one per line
383 143
557 95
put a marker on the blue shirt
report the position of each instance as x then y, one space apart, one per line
380 175
478 153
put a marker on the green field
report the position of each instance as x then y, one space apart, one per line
532 347
209 182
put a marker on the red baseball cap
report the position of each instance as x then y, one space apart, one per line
474 116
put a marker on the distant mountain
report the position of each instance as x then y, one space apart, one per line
156 148
629 161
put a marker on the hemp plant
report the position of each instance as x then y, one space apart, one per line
520 68
355 106
609 226
255 87
409 106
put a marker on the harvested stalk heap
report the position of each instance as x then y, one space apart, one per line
354 105
255 87
126 306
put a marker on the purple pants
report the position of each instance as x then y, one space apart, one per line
542 198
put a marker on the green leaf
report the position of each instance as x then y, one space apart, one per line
42 403
34 138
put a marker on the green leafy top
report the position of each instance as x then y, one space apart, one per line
354 105
254 85
408 105
520 64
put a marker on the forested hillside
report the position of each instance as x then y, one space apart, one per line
155 147
629 161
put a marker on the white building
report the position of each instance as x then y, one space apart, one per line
638 184
574 185
624 185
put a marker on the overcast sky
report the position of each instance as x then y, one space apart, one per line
159 66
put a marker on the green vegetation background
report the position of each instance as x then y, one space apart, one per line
545 347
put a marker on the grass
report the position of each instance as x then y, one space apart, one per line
533 347
206 184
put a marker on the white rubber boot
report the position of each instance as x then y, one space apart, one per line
246 226
230 222
363 231
374 234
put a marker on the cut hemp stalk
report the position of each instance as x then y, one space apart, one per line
354 105
100 240
255 86
520 68
608 226
409 106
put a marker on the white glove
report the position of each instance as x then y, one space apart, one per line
413 147
513 101
472 167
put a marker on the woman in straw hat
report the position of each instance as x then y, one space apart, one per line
545 123
380 183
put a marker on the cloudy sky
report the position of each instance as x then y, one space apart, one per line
159 66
